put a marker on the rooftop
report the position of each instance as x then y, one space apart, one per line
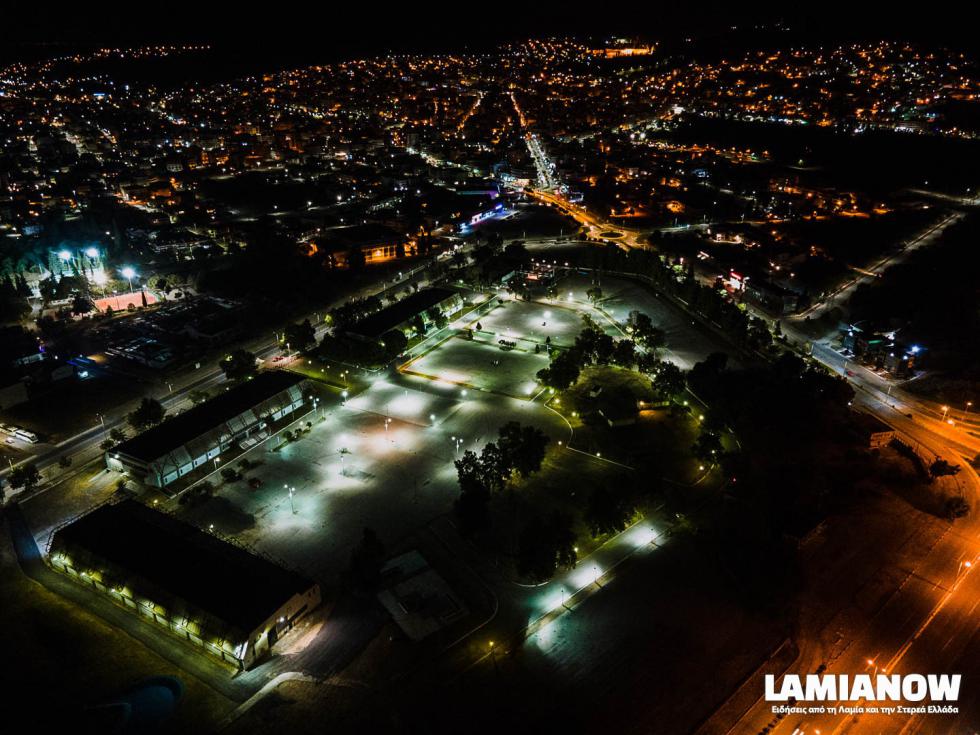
170 561
388 318
176 431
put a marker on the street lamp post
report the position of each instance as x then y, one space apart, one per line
291 491
457 440
128 273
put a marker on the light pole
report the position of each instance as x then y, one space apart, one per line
216 460
344 396
945 411
457 440
291 491
102 419
963 565
128 273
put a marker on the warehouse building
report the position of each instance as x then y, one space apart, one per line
412 314
236 419
231 603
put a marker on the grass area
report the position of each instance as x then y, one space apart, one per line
659 437
62 659
563 484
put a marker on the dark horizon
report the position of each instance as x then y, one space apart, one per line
333 32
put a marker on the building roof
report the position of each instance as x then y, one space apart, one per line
174 432
388 318
365 235
179 566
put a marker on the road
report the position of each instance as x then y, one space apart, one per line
925 627
929 624
840 295
84 447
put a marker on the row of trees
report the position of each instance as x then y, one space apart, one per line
595 347
518 452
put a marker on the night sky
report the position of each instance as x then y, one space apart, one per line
339 29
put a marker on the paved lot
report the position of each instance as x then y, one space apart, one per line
384 460
534 322
482 365
686 343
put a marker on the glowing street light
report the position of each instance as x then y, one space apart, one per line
128 273
291 491
457 440
92 253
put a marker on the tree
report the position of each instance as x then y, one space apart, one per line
536 557
26 476
586 341
117 435
594 294
707 447
367 559
645 333
604 347
239 365
563 371
563 538
469 472
300 336
394 342
355 258
542 547
230 474
522 447
495 468
956 507
149 413
608 511
705 376
472 508
198 396
668 380
624 353
941 468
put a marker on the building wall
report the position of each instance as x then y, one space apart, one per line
170 467
265 636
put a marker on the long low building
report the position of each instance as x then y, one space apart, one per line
404 315
233 604
237 417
